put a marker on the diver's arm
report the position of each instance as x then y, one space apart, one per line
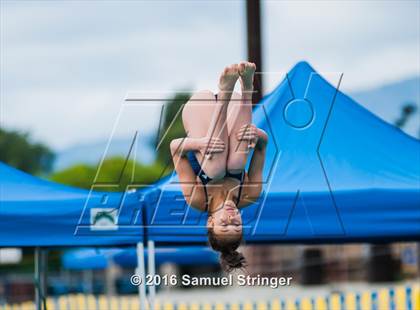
253 186
205 145
181 146
193 191
258 158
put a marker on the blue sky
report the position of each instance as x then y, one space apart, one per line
66 66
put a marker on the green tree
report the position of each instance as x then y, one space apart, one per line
114 171
17 150
80 175
171 127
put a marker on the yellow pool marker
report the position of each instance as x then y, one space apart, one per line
50 304
70 303
157 305
262 305
248 306
366 301
195 306
321 303
234 306
124 303
134 305
182 306
384 301
415 297
207 306
103 303
114 303
305 304
91 302
350 301
220 306
168 306
80 301
62 303
29 305
335 301
275 305
400 298
290 304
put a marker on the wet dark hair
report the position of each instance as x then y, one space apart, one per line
230 259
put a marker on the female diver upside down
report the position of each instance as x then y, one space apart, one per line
211 160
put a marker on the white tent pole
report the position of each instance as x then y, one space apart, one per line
151 271
141 274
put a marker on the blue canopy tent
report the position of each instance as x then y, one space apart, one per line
334 172
190 255
88 258
91 258
39 213
36 212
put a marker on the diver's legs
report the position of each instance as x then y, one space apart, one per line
204 116
240 114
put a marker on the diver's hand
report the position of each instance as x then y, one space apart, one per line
248 132
210 145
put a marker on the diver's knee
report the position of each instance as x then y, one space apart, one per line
216 171
236 163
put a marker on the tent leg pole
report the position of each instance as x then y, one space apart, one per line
40 257
38 267
151 271
44 275
141 274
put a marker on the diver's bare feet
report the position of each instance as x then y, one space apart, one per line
228 78
246 73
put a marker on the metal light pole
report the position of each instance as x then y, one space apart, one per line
253 23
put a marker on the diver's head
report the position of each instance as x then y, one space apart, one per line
224 226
